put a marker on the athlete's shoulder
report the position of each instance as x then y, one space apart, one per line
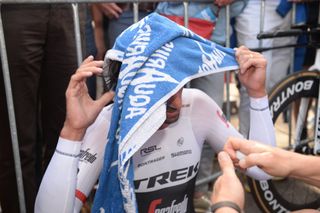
196 99
195 95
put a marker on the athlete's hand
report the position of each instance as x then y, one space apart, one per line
81 109
227 187
272 160
252 73
111 10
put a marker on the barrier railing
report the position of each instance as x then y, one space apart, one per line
74 5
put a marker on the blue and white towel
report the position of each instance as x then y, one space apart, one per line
158 58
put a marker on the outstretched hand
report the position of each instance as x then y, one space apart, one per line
252 73
227 187
81 109
272 160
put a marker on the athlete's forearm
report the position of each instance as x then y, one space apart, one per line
306 168
261 126
261 129
57 189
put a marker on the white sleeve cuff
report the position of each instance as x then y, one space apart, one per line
68 148
259 104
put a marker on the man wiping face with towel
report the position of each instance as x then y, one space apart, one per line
145 147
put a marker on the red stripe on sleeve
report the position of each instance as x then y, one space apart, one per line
82 197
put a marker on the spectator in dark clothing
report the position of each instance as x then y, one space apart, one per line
41 52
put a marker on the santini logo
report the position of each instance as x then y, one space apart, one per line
85 155
149 150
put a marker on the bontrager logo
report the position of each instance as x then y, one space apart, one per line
269 196
173 208
167 177
85 155
149 150
151 161
290 91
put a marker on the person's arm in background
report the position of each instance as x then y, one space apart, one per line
99 10
275 161
111 10
228 187
58 186
97 17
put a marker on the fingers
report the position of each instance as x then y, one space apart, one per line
88 67
247 58
82 74
244 146
255 159
112 10
91 65
236 144
252 60
226 163
93 69
78 77
89 62
256 154
116 9
105 98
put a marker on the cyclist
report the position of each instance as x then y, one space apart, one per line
165 167
274 161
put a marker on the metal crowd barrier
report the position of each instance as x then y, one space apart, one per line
74 4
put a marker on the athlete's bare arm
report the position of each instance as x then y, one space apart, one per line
252 75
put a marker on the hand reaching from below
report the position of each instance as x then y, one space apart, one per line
228 186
